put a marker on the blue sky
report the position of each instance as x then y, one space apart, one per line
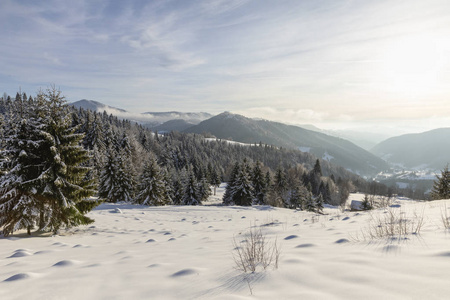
329 63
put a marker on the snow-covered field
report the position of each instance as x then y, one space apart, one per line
181 252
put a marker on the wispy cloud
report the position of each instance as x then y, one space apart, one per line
315 61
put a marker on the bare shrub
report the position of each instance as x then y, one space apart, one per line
392 224
383 201
255 251
445 218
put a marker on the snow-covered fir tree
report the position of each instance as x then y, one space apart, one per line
227 198
258 184
45 176
242 187
204 189
191 195
116 179
64 188
107 181
20 207
124 187
215 180
151 189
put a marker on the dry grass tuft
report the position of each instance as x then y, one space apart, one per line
255 251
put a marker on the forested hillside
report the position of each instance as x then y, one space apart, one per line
330 148
127 162
428 149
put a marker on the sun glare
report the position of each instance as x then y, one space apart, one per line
411 66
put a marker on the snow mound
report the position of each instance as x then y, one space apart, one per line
19 276
184 272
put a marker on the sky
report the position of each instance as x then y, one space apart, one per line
366 65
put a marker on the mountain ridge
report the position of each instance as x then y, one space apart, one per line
339 151
429 149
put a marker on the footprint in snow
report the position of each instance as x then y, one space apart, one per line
290 237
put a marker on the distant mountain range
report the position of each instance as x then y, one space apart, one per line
96 106
336 150
161 121
342 147
429 149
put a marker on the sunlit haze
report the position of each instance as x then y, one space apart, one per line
382 66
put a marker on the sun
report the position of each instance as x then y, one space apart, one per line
410 66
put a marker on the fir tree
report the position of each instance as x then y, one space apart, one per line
280 190
204 190
215 180
124 182
151 190
50 184
295 199
19 205
229 190
258 184
441 187
108 177
319 204
62 181
190 196
242 188
366 203
178 191
310 204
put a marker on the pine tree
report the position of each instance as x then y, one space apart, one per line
242 187
295 199
178 191
314 178
108 180
319 204
258 184
116 180
151 190
310 204
204 190
215 180
168 185
19 206
441 187
229 190
190 196
62 181
280 190
124 181
46 160
366 203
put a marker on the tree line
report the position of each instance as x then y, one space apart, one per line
54 157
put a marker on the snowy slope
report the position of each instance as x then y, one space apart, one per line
181 252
